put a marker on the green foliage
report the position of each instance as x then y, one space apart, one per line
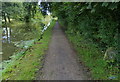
19 11
25 68
13 10
97 23
44 7
91 55
30 9
26 23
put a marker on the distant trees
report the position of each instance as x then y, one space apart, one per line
6 12
27 12
30 9
19 11
11 11
96 22
45 7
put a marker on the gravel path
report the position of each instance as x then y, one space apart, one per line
61 62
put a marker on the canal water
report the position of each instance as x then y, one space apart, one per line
11 38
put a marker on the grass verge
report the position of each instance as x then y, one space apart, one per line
25 67
92 57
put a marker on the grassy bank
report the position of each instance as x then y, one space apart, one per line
92 57
25 67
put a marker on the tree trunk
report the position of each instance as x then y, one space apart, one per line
6 32
5 18
8 18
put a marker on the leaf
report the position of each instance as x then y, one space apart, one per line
93 10
113 6
89 6
105 4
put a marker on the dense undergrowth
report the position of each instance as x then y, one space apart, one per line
92 57
25 65
93 29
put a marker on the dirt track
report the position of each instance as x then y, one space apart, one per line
61 61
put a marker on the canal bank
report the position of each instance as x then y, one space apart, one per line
29 62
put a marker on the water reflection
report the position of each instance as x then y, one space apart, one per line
16 38
6 35
7 46
45 27
13 40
